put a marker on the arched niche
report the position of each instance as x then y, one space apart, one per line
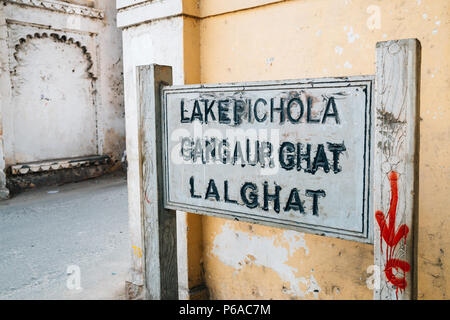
53 97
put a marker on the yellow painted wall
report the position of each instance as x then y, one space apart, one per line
321 38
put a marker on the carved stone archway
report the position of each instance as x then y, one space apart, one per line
53 98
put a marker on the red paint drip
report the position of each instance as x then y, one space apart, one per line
392 237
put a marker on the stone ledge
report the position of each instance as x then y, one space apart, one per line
35 167
21 182
148 11
59 6
134 12
121 4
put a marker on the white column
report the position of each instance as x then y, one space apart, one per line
5 88
152 33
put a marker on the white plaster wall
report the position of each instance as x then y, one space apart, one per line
110 83
53 97
51 111
157 42
5 90
86 113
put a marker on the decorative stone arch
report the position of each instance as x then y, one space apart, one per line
78 113
58 38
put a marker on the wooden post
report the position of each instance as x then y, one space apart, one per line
395 193
182 259
159 225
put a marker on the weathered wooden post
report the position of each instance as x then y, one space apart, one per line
396 167
159 225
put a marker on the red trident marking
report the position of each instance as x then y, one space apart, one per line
392 237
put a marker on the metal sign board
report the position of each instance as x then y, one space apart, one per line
292 154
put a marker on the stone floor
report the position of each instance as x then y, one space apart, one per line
47 232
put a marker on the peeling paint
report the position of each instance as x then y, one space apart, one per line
347 65
269 61
238 248
351 35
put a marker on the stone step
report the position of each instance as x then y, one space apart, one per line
58 164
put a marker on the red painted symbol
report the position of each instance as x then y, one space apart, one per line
392 237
